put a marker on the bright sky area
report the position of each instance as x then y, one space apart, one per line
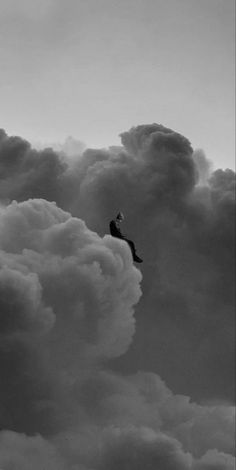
94 68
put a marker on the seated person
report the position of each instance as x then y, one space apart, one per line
116 232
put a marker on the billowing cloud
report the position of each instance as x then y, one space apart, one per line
204 167
142 448
26 172
185 233
88 282
183 223
28 453
144 399
74 327
71 147
64 289
214 460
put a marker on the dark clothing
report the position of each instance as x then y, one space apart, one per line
131 245
116 232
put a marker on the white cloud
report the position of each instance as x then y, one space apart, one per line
89 283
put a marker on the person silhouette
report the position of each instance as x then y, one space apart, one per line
115 231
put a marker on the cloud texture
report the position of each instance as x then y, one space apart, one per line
71 396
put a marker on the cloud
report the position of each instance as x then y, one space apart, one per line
214 460
75 328
137 421
142 448
143 399
28 453
185 233
71 147
183 227
21 305
64 289
204 167
87 282
154 137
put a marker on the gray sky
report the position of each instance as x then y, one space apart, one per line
104 366
94 68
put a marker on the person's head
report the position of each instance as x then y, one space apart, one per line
120 217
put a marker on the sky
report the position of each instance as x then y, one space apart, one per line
106 364
94 69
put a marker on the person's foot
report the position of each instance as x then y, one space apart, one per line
137 259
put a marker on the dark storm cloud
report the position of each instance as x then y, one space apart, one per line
185 232
25 172
183 224
168 168
184 227
67 307
145 138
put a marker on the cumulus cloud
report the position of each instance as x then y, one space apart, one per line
74 327
204 167
144 399
143 448
61 280
48 253
26 172
214 460
71 147
185 233
28 453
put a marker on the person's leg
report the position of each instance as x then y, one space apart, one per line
131 245
133 251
